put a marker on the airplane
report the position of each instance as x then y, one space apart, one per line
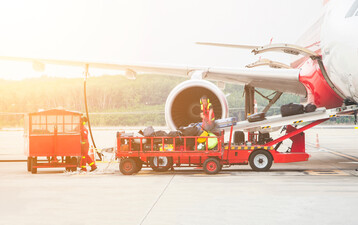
326 74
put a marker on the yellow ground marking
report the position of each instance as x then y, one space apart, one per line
341 154
326 173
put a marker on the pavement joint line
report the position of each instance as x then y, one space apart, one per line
161 194
350 157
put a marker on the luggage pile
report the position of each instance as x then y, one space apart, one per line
164 141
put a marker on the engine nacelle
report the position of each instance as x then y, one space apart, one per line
183 103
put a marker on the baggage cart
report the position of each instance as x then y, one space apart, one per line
259 153
53 135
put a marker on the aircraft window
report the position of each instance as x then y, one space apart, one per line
353 11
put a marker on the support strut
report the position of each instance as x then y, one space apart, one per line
249 100
295 132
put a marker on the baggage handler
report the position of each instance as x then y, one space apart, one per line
207 114
84 148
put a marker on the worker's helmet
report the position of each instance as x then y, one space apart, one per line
204 97
84 120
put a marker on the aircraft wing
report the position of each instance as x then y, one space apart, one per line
283 80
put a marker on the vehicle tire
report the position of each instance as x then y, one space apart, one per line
33 163
260 160
68 161
139 164
128 166
161 163
74 162
212 166
29 164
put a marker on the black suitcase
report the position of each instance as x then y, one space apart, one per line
176 136
190 143
292 109
264 138
189 131
256 117
239 137
310 108
178 140
148 147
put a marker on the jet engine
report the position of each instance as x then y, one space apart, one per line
183 103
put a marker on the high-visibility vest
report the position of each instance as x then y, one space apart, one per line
84 135
206 111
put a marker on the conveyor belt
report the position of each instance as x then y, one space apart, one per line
275 122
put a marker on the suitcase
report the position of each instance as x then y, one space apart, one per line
190 143
167 147
178 140
174 133
125 137
239 137
124 148
264 138
310 108
292 109
149 131
228 122
256 117
148 147
189 131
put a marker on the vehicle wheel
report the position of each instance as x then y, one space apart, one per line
29 164
74 162
161 163
212 166
139 164
260 160
128 166
33 163
68 161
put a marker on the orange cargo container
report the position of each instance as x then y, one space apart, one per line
55 135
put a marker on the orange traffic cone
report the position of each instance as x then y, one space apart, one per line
91 154
317 141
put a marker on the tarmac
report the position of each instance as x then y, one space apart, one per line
323 190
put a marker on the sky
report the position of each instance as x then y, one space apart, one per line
141 31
